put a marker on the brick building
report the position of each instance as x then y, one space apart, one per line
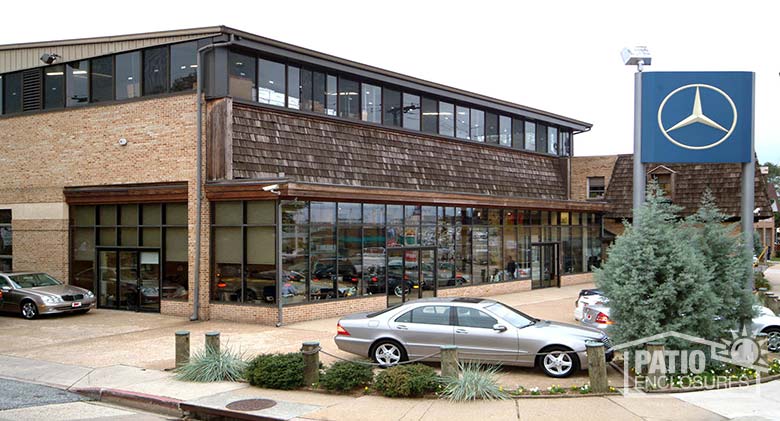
326 186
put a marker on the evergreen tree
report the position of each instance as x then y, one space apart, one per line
656 279
725 255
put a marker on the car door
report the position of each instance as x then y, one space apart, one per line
477 340
424 329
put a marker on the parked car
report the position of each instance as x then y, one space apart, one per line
587 297
33 294
482 329
598 316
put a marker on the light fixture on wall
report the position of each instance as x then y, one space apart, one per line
122 142
49 58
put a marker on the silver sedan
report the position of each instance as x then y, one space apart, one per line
483 330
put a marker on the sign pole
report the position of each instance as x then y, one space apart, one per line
748 193
639 167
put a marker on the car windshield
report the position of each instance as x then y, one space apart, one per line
33 280
512 316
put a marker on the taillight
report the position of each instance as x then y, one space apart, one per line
221 284
374 279
340 330
603 319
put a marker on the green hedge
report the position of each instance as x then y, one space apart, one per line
404 381
346 375
276 371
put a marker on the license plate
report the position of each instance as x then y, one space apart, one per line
76 304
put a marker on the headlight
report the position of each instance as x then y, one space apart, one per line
90 294
52 300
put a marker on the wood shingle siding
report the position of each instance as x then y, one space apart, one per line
690 182
317 150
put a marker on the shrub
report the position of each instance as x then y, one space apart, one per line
475 382
406 381
211 365
346 375
276 371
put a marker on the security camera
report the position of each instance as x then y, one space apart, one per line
271 187
49 58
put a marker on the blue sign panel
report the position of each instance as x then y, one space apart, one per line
692 117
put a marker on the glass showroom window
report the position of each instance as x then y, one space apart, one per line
371 106
294 87
102 82
430 115
477 125
128 75
241 76
518 136
530 136
491 128
244 252
184 66
77 83
155 70
552 140
349 99
270 82
446 119
411 111
331 94
295 251
324 278
462 122
6 241
391 107
505 131
54 87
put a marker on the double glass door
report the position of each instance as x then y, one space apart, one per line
129 280
544 265
411 274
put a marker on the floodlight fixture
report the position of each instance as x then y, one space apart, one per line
638 56
49 58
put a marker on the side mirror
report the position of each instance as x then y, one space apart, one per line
499 328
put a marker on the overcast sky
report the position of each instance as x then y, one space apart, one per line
559 56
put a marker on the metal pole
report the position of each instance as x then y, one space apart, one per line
639 168
748 194
279 272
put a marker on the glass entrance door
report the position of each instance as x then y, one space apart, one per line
411 274
129 280
544 265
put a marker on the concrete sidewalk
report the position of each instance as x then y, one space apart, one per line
304 405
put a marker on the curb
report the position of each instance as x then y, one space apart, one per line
143 401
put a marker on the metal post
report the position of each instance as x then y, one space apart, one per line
212 341
748 203
182 348
449 361
279 272
639 168
597 367
311 362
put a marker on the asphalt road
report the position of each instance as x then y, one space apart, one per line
14 394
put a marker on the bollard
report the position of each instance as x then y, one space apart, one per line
449 361
311 362
212 341
182 347
597 367
656 370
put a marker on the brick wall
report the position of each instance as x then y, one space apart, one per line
485 290
268 315
583 167
576 279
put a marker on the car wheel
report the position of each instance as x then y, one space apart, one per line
251 295
29 310
399 291
388 353
773 339
558 362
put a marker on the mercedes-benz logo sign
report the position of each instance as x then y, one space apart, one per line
697 116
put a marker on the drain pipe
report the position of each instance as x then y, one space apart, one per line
199 171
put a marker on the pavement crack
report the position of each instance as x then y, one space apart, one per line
91 370
422 417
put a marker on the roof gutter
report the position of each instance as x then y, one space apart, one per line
199 172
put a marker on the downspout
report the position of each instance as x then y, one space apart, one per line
199 171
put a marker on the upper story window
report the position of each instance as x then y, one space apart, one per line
241 76
530 136
664 176
331 95
77 83
155 70
565 143
462 125
411 111
184 66
505 131
102 82
391 107
128 75
552 140
446 119
541 138
596 188
349 101
477 125
270 82
294 87
371 109
491 128
54 87
430 115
